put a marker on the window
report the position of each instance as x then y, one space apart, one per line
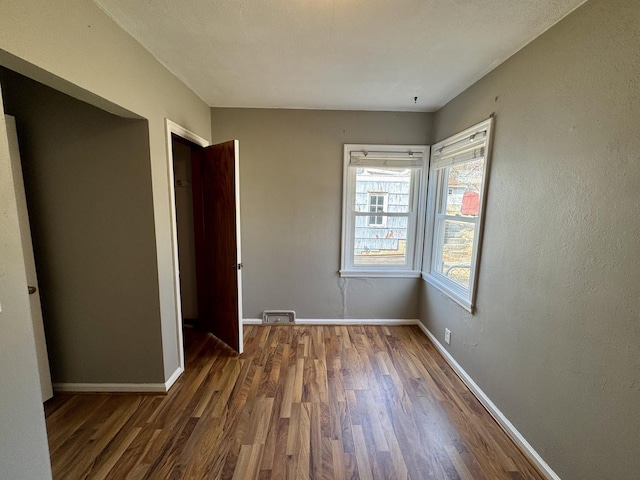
457 184
383 210
377 203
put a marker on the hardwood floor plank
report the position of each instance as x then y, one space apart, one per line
304 442
458 462
248 462
100 472
337 454
302 402
131 458
294 425
83 462
276 432
70 416
287 401
276 463
209 455
362 455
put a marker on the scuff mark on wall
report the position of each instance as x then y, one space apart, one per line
343 284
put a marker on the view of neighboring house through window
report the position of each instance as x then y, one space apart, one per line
377 203
458 173
382 239
385 206
383 210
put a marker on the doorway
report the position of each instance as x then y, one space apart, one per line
182 174
204 182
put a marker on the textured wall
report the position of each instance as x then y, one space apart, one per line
291 207
555 340
88 184
74 47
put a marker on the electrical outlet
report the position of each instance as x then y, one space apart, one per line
447 336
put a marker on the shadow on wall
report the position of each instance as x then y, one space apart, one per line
88 182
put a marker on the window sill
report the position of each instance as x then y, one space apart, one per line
380 273
453 294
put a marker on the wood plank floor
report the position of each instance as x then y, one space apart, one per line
302 402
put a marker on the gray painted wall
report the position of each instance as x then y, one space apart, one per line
72 46
291 207
555 340
88 186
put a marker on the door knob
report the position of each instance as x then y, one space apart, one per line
32 290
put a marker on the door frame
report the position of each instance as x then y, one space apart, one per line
174 128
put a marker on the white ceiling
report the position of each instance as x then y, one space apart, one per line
334 54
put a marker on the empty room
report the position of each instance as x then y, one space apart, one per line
319 240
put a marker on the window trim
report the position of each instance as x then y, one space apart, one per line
417 204
465 298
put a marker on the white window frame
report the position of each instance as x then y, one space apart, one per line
389 156
385 199
477 136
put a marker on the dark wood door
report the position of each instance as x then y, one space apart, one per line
216 207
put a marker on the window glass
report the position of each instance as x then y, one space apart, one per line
391 184
458 177
380 213
464 182
454 255
381 246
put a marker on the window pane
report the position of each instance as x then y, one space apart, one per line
374 184
463 188
456 240
376 221
376 200
380 246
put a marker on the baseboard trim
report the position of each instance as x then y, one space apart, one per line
252 321
341 321
499 417
111 387
172 379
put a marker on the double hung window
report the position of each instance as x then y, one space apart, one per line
385 207
457 184
383 210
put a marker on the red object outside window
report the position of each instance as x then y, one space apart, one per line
470 203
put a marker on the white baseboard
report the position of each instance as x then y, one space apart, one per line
341 321
111 387
499 417
252 321
172 379
119 387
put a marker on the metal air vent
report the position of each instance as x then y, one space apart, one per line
278 316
